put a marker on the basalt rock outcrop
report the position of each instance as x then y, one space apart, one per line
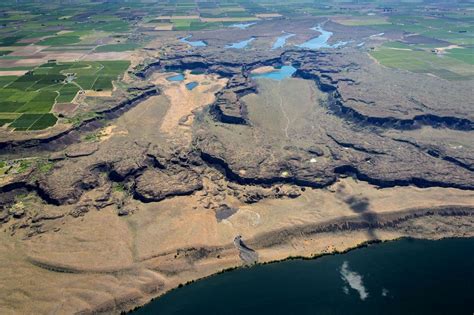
156 185
353 122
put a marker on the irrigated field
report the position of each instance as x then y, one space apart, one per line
26 101
451 66
436 45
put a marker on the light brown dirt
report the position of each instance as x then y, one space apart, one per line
265 69
13 73
184 102
110 263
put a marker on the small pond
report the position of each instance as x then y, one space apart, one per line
191 85
278 74
240 45
198 43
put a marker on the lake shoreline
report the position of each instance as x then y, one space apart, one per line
316 256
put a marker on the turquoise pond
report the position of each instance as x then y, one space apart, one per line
241 45
191 85
401 277
198 43
176 78
278 74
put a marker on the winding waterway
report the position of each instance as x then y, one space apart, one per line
281 40
402 277
321 41
197 43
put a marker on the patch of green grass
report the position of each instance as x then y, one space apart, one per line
103 83
25 121
79 118
67 93
41 103
92 137
182 24
397 44
4 121
44 166
10 107
33 122
60 40
464 54
47 120
6 118
118 187
24 165
11 41
5 80
424 62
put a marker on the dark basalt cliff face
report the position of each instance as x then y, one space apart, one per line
343 76
371 154
351 138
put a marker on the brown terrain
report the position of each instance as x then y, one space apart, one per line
117 210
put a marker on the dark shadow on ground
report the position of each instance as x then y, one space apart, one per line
361 206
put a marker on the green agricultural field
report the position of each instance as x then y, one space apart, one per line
33 122
182 24
6 80
464 54
401 56
61 40
26 101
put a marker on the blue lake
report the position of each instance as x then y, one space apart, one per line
401 277
240 45
278 74
281 41
176 78
321 41
198 43
191 85
242 26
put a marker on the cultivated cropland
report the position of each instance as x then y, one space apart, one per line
146 144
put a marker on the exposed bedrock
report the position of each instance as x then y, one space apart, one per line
299 133
361 91
278 143
156 185
382 171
